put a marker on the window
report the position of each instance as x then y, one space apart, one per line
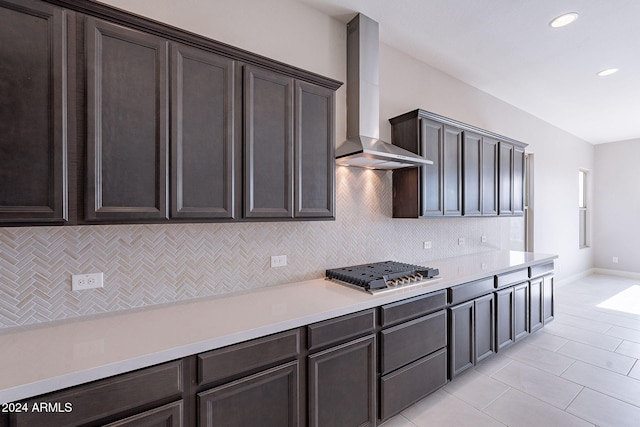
583 213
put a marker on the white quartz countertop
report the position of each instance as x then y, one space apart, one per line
44 358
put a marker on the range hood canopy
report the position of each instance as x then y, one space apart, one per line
363 147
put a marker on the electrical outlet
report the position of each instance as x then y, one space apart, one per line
615 260
461 240
80 282
426 245
278 260
483 239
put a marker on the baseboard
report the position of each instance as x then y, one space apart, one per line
581 275
619 273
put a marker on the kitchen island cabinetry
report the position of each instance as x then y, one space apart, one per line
34 128
474 172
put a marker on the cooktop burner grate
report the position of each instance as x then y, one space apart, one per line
382 275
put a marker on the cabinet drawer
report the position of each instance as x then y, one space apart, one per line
411 383
468 291
541 269
340 329
104 398
248 356
412 307
512 277
412 340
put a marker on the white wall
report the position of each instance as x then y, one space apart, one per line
616 214
299 35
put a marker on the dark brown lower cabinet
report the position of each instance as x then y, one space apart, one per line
505 328
548 298
471 333
342 385
411 383
521 310
153 393
268 399
170 415
535 305
413 361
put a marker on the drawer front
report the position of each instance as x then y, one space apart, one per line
541 269
412 307
511 278
104 398
247 356
412 340
469 291
410 384
341 329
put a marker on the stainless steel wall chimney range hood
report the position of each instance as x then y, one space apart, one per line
363 147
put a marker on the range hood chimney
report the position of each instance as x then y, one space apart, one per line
363 147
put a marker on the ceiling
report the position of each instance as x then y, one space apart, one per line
507 49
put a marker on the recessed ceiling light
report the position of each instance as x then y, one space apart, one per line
608 72
563 20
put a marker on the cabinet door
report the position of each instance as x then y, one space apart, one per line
452 171
518 180
462 339
505 334
548 298
268 399
126 123
342 385
33 127
202 129
472 174
314 151
535 305
170 415
431 185
268 144
484 327
489 176
521 310
505 183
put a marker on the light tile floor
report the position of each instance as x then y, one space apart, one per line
582 369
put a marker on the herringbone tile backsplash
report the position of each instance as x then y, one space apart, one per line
154 264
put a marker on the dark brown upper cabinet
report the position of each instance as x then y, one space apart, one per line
314 151
489 173
474 171
288 147
511 181
127 85
268 144
472 174
109 117
203 149
33 113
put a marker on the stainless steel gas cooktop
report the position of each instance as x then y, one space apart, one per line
381 276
